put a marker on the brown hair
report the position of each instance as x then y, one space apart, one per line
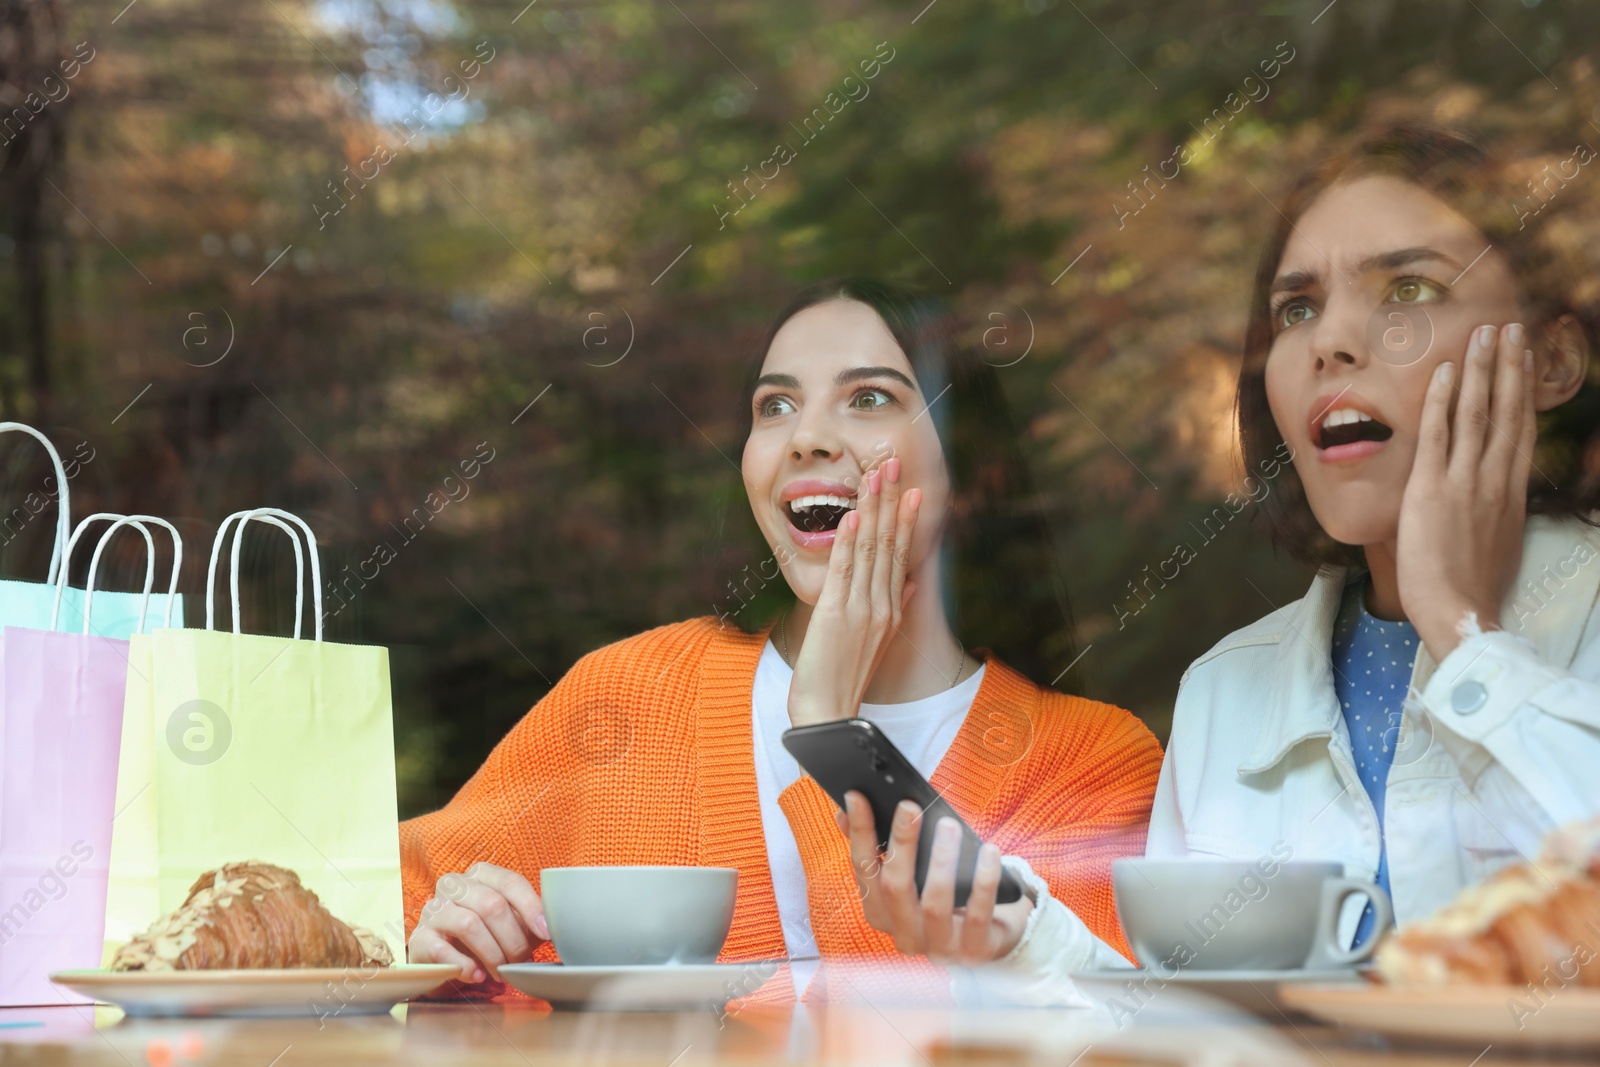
1459 172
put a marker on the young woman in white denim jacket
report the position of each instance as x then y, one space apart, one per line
1401 284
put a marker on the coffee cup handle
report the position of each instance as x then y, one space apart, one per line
1335 891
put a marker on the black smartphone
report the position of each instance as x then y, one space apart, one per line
854 754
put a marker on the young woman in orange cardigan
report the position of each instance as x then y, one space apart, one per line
883 473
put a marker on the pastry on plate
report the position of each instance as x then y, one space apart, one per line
247 916
1528 923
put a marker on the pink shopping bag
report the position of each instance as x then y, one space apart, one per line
61 700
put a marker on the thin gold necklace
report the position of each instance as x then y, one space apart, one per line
783 649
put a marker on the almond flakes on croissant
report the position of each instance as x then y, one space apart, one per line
247 916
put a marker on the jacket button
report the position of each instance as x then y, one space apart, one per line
1468 697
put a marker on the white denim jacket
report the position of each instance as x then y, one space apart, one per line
1498 744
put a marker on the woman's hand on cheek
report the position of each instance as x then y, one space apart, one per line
930 925
1462 516
858 611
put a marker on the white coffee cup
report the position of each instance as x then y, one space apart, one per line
630 916
1224 915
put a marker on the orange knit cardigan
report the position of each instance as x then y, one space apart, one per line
642 754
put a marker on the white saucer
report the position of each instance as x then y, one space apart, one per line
660 988
321 991
1256 992
1210 978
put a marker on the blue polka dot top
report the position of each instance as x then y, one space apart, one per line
1372 662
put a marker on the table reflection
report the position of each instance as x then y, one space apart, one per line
1179 1028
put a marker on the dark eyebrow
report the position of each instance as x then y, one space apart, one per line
856 374
1402 256
844 377
1294 281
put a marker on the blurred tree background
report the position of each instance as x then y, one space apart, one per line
326 254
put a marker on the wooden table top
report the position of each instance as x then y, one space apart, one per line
513 1036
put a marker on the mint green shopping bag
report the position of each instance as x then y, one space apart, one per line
33 604
248 747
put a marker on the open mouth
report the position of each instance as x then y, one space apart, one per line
818 514
1347 426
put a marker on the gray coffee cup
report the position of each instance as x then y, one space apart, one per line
630 916
1223 915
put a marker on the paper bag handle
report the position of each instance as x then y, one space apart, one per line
267 515
63 519
216 552
94 563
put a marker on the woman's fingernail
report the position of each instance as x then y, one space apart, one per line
914 499
541 927
907 808
1485 336
872 483
949 831
892 471
1527 360
1445 373
1514 333
478 976
853 519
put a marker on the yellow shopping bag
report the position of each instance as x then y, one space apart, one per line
247 747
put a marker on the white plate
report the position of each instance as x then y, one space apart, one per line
660 988
1472 1016
320 991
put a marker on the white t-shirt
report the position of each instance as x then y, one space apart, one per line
922 729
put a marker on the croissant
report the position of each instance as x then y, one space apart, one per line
1529 923
250 915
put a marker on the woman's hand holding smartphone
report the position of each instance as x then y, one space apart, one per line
957 916
929 923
